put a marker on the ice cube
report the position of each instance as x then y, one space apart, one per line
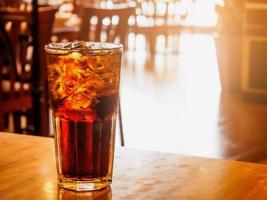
67 45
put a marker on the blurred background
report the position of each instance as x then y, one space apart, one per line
194 72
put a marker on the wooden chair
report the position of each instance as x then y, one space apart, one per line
71 32
154 18
106 24
16 71
10 88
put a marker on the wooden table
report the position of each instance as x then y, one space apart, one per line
28 171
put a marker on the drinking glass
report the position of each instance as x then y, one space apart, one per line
83 82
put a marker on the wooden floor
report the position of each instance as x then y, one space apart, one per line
173 103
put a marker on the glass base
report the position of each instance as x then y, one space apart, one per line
83 185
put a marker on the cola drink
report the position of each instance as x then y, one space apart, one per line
83 81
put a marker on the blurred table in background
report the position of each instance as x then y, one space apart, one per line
28 171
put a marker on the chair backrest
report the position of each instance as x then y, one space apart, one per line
106 24
17 25
14 26
157 12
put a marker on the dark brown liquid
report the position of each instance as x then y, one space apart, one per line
85 139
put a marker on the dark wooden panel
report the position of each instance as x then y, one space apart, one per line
256 17
258 65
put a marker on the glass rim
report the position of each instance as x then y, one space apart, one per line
87 47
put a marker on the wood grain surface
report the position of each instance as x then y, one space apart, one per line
28 171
